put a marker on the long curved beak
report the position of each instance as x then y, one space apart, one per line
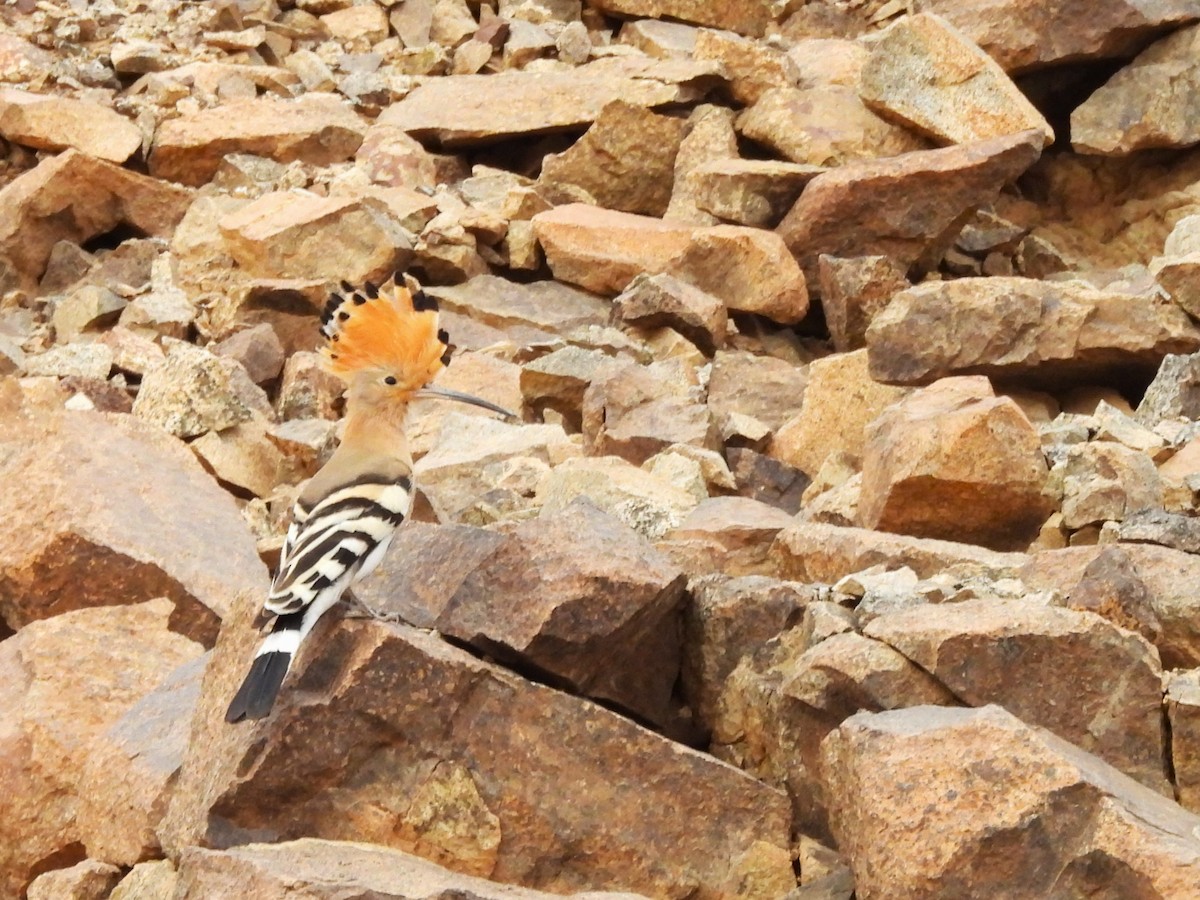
440 393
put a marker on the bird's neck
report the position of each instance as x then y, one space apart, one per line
377 429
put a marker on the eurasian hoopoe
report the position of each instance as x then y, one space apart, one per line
386 345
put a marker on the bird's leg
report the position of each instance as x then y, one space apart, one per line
357 609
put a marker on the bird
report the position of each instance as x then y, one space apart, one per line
384 342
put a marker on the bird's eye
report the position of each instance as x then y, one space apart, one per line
390 380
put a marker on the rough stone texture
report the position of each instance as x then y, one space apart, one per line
853 291
1174 392
493 763
949 789
315 128
257 349
526 312
655 301
599 618
74 197
1104 481
335 870
625 161
1038 329
769 389
840 400
909 207
1016 654
56 123
708 136
1149 103
823 126
752 67
461 110
755 192
811 551
69 679
928 75
86 880
66 540
1021 35
1183 712
731 535
956 446
154 880
748 17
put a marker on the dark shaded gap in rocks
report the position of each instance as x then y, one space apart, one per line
1058 90
112 239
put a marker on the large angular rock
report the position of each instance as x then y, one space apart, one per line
286 234
730 535
708 137
604 250
1030 34
1019 654
927 74
909 207
1149 103
945 790
67 680
748 17
532 312
87 880
1182 702
73 197
1039 329
956 446
316 128
56 123
438 753
460 110
655 301
753 67
110 512
333 870
755 192
1103 481
574 595
854 291
769 389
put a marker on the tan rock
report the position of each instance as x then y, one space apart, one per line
364 25
853 292
390 157
825 61
328 870
154 880
657 301
1041 329
448 787
56 123
89 307
74 360
840 400
244 456
857 209
316 128
823 126
1183 713
708 136
471 109
729 535
257 349
526 312
810 551
750 191
748 18
1122 725
753 67
488 377
928 75
99 197
956 445
120 653
923 784
306 390
659 38
558 380
1021 35
769 389
87 880
58 553
624 161
1103 481
299 235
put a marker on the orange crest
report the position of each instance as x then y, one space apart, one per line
392 329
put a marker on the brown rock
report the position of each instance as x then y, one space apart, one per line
853 292
120 653
1042 330
1183 712
74 197
1103 481
840 400
925 785
660 39
657 301
1110 586
625 161
730 535
823 126
909 207
331 870
448 787
1174 392
760 477
58 553
86 880
559 380
244 456
56 123
750 191
1017 654
391 158
526 312
89 307
956 446
297 235
928 75
769 389
1022 35
825 61
752 66
810 551
472 109
708 135
488 377
258 351
316 128
306 390
366 25
748 18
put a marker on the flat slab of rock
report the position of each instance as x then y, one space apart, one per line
316 128
755 192
66 538
333 870
56 123
1039 330
909 207
463 110
604 250
927 74
98 196
1149 103
466 765
943 788
749 17
533 311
